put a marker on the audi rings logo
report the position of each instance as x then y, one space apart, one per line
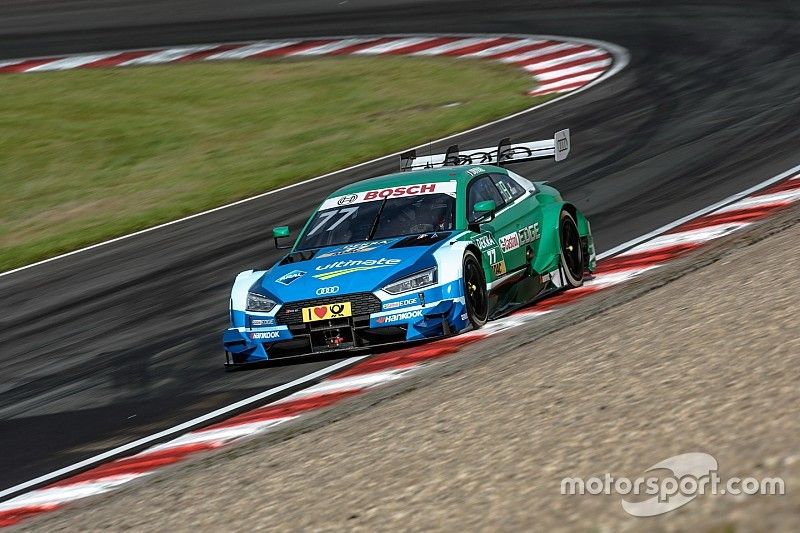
327 290
347 199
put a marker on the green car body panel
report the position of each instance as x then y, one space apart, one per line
536 216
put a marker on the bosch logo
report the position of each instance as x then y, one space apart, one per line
327 290
344 200
401 191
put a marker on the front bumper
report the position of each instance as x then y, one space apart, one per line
245 345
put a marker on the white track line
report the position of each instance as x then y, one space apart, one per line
58 495
185 426
697 214
221 435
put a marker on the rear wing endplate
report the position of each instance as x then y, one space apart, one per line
503 154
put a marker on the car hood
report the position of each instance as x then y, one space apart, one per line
360 267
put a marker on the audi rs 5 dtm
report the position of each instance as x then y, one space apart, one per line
451 241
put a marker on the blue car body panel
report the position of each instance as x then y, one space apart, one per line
336 273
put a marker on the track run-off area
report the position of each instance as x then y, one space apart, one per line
126 344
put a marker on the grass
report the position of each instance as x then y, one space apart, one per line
91 154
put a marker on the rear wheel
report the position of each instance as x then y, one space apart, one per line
571 251
475 297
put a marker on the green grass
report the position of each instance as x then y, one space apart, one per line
89 155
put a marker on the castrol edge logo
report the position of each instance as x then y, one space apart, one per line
442 187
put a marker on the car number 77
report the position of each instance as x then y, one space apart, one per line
346 212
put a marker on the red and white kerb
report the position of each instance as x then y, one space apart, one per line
558 65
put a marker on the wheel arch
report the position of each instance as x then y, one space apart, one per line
472 247
585 232
450 259
548 251
571 209
484 260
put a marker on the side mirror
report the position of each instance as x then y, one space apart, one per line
486 209
281 232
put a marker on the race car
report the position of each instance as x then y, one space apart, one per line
439 248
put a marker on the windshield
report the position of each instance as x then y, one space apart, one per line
380 219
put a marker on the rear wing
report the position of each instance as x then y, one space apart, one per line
503 154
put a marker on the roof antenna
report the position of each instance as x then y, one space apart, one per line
430 154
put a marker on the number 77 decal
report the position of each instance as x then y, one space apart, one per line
325 217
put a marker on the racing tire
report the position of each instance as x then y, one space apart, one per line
572 260
476 299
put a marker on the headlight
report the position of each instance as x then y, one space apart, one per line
417 281
262 304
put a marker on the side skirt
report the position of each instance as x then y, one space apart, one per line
526 292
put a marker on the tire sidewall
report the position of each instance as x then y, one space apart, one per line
570 280
474 319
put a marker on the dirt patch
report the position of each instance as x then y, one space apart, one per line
707 363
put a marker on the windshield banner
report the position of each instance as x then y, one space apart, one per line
442 187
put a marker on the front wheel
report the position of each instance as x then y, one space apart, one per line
571 251
475 297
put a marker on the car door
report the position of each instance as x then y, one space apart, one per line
503 257
525 212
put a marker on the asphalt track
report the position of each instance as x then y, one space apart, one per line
115 343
